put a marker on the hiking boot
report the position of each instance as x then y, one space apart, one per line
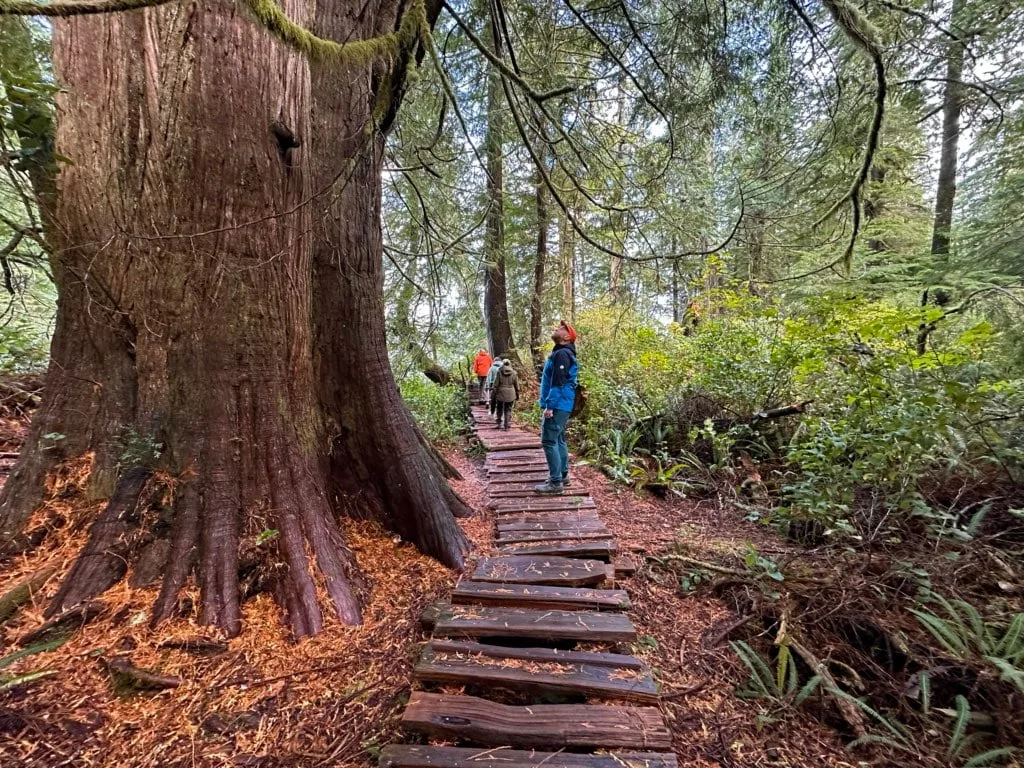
566 482
548 488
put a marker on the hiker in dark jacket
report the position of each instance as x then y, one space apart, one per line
492 376
506 392
558 384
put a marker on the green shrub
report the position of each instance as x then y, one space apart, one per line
440 411
886 427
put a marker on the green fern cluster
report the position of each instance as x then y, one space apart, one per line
12 681
964 634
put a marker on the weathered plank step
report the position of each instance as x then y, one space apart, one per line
535 569
416 756
571 522
530 596
543 725
518 478
511 455
480 621
516 490
502 441
542 503
566 516
563 533
604 549
570 672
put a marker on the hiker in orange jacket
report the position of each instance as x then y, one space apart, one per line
481 365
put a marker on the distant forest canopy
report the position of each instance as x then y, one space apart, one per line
647 152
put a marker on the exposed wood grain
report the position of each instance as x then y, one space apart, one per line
568 675
478 621
530 596
553 534
603 549
415 756
530 569
542 725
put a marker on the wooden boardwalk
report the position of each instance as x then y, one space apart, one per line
524 667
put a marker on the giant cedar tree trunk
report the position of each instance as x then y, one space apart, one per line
499 328
195 310
377 464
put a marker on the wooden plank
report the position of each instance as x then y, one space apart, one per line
572 523
542 725
517 490
557 534
480 621
567 675
491 445
532 569
516 464
418 756
540 502
604 549
531 596
561 516
625 565
466 647
499 455
518 478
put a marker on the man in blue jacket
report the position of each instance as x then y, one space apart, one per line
557 395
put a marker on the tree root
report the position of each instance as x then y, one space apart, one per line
127 674
699 564
853 716
64 624
23 591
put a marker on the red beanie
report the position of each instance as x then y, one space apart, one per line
571 330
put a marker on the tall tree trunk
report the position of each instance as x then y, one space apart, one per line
945 195
496 318
537 300
203 318
676 316
617 219
567 239
952 105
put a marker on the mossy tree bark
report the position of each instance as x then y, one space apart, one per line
220 295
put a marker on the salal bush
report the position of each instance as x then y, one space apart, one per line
887 431
440 411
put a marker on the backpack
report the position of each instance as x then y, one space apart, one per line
579 401
579 398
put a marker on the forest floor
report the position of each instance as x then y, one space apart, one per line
264 700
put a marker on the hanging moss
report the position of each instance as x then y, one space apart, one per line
272 17
81 8
859 30
355 53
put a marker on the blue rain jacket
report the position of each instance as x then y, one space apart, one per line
558 379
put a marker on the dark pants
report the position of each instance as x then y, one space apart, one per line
493 404
556 449
482 379
504 414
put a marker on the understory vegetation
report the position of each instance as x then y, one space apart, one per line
895 609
